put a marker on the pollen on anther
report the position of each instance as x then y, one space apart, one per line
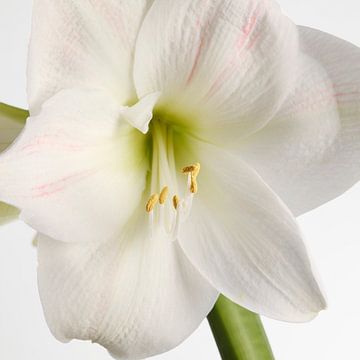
193 184
194 169
176 201
163 195
152 202
197 170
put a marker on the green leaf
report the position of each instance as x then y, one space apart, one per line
8 213
12 121
238 333
14 113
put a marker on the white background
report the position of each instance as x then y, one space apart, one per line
332 232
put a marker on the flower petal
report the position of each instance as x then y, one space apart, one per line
140 115
78 169
227 63
137 296
242 238
309 153
83 44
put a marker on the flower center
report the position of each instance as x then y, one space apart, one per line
163 213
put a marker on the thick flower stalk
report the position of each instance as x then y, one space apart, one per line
169 147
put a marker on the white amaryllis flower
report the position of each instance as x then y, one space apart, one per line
123 95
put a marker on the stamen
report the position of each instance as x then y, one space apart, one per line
197 170
171 221
194 168
152 202
151 223
193 184
176 202
193 172
163 195
178 219
188 169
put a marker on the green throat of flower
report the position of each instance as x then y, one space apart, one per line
165 207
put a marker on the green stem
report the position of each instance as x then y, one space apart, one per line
238 333
13 113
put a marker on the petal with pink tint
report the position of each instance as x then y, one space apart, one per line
309 153
224 67
78 170
86 43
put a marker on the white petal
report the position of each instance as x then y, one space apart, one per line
244 240
83 44
136 296
140 115
220 64
78 170
310 153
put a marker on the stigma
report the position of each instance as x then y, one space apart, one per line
180 208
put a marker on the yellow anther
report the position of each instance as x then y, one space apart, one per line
152 202
194 169
197 170
176 201
188 169
193 184
163 195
